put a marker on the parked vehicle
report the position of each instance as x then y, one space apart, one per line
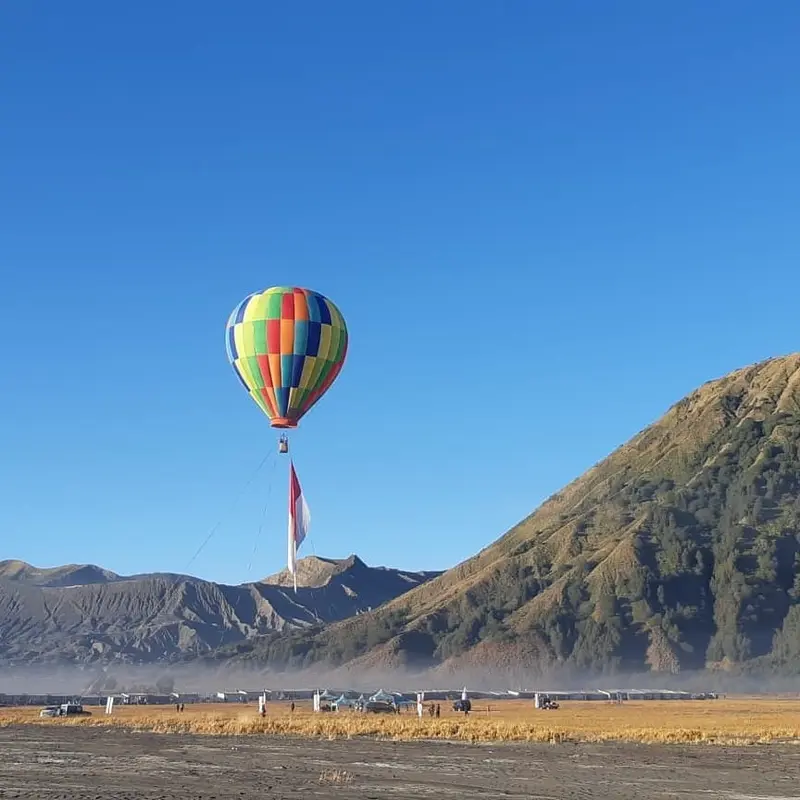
50 711
379 707
73 709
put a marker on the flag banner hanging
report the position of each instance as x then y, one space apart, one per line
299 521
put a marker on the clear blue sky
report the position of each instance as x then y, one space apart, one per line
544 222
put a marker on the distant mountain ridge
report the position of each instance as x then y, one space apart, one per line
85 614
69 574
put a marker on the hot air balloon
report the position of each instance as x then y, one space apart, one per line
287 345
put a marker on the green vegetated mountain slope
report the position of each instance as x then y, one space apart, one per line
678 551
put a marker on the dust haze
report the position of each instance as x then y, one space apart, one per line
206 680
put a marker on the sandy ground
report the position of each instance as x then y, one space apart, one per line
66 763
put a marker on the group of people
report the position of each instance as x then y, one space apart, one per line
264 709
434 710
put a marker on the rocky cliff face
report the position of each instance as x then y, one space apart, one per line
82 613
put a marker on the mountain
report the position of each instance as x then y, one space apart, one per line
69 575
82 613
679 551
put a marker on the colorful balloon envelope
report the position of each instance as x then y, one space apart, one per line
287 345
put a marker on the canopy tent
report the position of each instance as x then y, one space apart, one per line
345 702
382 697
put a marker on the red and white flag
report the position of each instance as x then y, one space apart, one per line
299 520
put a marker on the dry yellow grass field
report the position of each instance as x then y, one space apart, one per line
731 721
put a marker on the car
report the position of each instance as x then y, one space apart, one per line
379 707
463 705
50 711
73 709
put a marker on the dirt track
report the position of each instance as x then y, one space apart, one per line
66 763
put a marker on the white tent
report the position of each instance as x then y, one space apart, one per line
345 702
